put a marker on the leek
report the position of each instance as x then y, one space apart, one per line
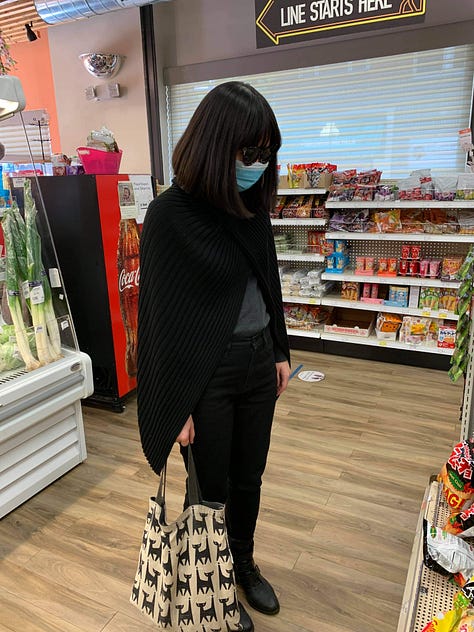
34 268
13 277
50 316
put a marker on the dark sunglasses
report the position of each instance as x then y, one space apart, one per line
258 154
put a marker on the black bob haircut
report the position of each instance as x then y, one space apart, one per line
231 116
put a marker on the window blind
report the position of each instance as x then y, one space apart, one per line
395 113
12 135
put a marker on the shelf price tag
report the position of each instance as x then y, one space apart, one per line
443 315
382 343
312 301
426 312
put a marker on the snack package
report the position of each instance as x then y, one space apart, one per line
445 187
457 476
350 290
447 554
295 175
341 192
410 189
398 295
280 203
429 298
388 221
445 621
450 267
414 330
465 187
293 203
426 183
448 300
344 177
384 192
447 336
466 222
462 525
388 322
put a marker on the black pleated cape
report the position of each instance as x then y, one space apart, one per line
194 264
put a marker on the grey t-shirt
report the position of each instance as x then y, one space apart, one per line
253 315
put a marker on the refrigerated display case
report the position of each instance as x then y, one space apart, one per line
95 221
41 424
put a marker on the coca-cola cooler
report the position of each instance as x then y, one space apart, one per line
95 221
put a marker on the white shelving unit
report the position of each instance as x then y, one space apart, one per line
416 237
336 301
310 258
310 221
379 245
401 204
350 275
303 333
373 341
302 191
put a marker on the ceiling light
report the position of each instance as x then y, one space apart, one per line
12 97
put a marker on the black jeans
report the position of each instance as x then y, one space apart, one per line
233 422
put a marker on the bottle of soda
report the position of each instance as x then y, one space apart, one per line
128 264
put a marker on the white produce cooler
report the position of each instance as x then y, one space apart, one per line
41 426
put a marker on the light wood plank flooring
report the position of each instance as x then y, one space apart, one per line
349 463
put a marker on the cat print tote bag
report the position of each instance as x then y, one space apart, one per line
185 579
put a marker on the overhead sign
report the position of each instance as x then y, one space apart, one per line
284 21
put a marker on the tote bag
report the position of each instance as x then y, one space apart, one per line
185 579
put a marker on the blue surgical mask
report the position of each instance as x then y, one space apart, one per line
248 175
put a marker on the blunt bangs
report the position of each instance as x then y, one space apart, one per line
231 116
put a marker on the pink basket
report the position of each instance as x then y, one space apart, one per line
97 161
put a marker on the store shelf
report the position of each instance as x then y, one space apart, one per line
303 333
337 301
418 237
426 593
302 191
311 221
372 341
304 300
401 204
397 280
282 256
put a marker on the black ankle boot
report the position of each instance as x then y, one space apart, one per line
258 591
246 624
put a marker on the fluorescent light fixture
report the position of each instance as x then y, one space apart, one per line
12 97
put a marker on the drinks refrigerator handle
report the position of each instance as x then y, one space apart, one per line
128 267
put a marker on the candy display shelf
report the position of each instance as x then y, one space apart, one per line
350 275
310 221
302 191
372 341
400 204
336 301
303 333
417 237
310 258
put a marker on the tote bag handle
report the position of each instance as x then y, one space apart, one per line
194 491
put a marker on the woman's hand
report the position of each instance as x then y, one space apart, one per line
186 436
283 375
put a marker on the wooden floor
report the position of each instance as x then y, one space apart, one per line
350 459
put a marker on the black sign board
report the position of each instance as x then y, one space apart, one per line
286 21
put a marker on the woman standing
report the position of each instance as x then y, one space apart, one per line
213 353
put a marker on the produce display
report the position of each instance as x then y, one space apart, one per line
460 358
34 339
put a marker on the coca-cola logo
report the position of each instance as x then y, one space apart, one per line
129 279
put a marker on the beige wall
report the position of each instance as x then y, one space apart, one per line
116 32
